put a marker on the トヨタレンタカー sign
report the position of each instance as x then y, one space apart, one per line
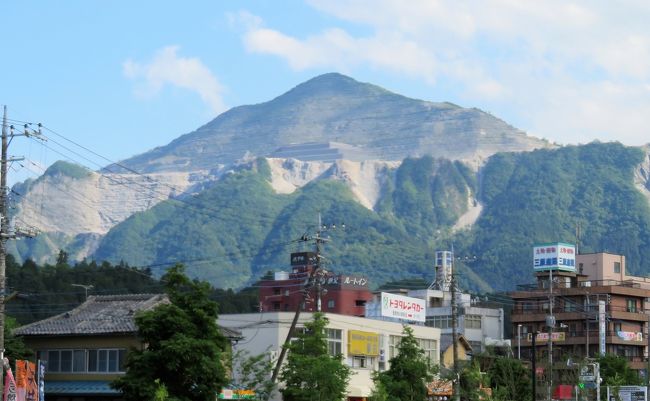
401 307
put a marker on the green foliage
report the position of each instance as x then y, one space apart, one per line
471 383
15 348
185 348
542 196
216 233
310 373
615 371
408 375
66 169
428 193
232 233
508 377
253 372
43 291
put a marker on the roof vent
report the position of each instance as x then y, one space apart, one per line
67 314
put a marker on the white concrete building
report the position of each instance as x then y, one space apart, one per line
366 344
479 325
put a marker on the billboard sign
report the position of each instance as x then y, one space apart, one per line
363 343
555 256
627 393
630 335
543 337
401 307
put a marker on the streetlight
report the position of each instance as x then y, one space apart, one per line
85 287
519 341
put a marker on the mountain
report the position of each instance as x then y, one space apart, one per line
242 227
406 176
377 123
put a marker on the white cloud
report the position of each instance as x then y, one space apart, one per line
567 70
167 68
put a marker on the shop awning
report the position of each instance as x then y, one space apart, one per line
79 387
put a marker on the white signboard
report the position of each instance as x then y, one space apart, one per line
401 307
628 393
555 256
602 326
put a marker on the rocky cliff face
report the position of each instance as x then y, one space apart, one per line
336 108
96 202
642 174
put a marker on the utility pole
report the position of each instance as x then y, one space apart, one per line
454 332
318 240
550 323
534 368
3 240
4 228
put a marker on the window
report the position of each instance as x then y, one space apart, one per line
276 305
570 305
477 346
430 348
276 291
472 321
331 303
617 327
333 341
362 362
84 361
617 267
66 360
393 342
360 302
79 360
441 322
631 305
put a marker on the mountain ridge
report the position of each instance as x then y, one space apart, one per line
336 108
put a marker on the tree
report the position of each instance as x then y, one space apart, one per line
15 348
253 372
184 348
615 371
409 373
311 373
508 378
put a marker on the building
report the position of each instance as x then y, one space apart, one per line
479 324
333 293
85 348
366 344
595 279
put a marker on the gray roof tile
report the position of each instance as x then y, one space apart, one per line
102 314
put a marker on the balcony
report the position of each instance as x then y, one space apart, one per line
580 284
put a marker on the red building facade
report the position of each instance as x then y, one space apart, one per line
336 293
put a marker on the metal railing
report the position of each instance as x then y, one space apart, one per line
543 286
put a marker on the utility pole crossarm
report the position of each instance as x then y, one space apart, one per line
5 234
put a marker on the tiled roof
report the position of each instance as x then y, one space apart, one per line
102 314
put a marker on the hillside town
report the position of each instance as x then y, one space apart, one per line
325 200
581 308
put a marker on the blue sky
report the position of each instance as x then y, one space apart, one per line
121 77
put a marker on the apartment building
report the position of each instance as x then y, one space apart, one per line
576 294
